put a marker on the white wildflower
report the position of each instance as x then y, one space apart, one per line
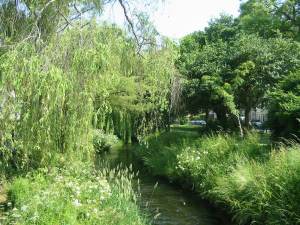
24 208
76 203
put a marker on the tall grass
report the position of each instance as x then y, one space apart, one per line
257 184
267 193
77 194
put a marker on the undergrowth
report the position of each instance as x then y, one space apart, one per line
76 194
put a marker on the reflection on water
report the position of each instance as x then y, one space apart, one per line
174 206
167 203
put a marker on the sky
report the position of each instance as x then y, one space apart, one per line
177 18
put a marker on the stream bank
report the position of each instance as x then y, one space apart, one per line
166 203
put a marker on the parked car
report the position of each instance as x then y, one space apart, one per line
256 124
198 122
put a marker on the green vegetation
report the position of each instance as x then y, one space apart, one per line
64 75
103 142
72 86
75 194
227 70
232 66
51 96
271 18
255 183
285 108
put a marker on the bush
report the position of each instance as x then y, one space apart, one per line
77 194
103 142
159 151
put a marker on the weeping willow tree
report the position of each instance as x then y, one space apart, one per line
52 97
48 98
138 97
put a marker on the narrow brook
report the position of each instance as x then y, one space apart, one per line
167 203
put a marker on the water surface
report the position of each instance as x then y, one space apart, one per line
167 203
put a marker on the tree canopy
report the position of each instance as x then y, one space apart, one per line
229 67
57 86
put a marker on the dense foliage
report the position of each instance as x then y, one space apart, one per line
71 86
103 142
231 66
285 108
270 18
53 98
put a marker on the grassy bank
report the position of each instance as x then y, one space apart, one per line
74 194
257 184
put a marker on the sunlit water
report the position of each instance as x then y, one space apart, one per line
167 203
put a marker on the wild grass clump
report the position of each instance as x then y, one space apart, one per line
257 184
267 193
76 194
211 156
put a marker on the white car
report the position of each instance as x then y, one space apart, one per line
198 122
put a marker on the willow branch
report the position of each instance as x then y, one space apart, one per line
129 21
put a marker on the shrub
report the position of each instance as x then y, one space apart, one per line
159 151
103 142
216 155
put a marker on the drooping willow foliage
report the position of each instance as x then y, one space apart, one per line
138 102
52 96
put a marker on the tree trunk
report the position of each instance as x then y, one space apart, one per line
206 115
169 121
247 116
240 126
222 117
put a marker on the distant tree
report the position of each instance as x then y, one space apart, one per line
222 28
207 85
269 18
259 64
284 108
229 71
204 60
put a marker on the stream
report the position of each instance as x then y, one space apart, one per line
167 203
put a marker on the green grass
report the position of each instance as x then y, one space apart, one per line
75 195
268 193
257 184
